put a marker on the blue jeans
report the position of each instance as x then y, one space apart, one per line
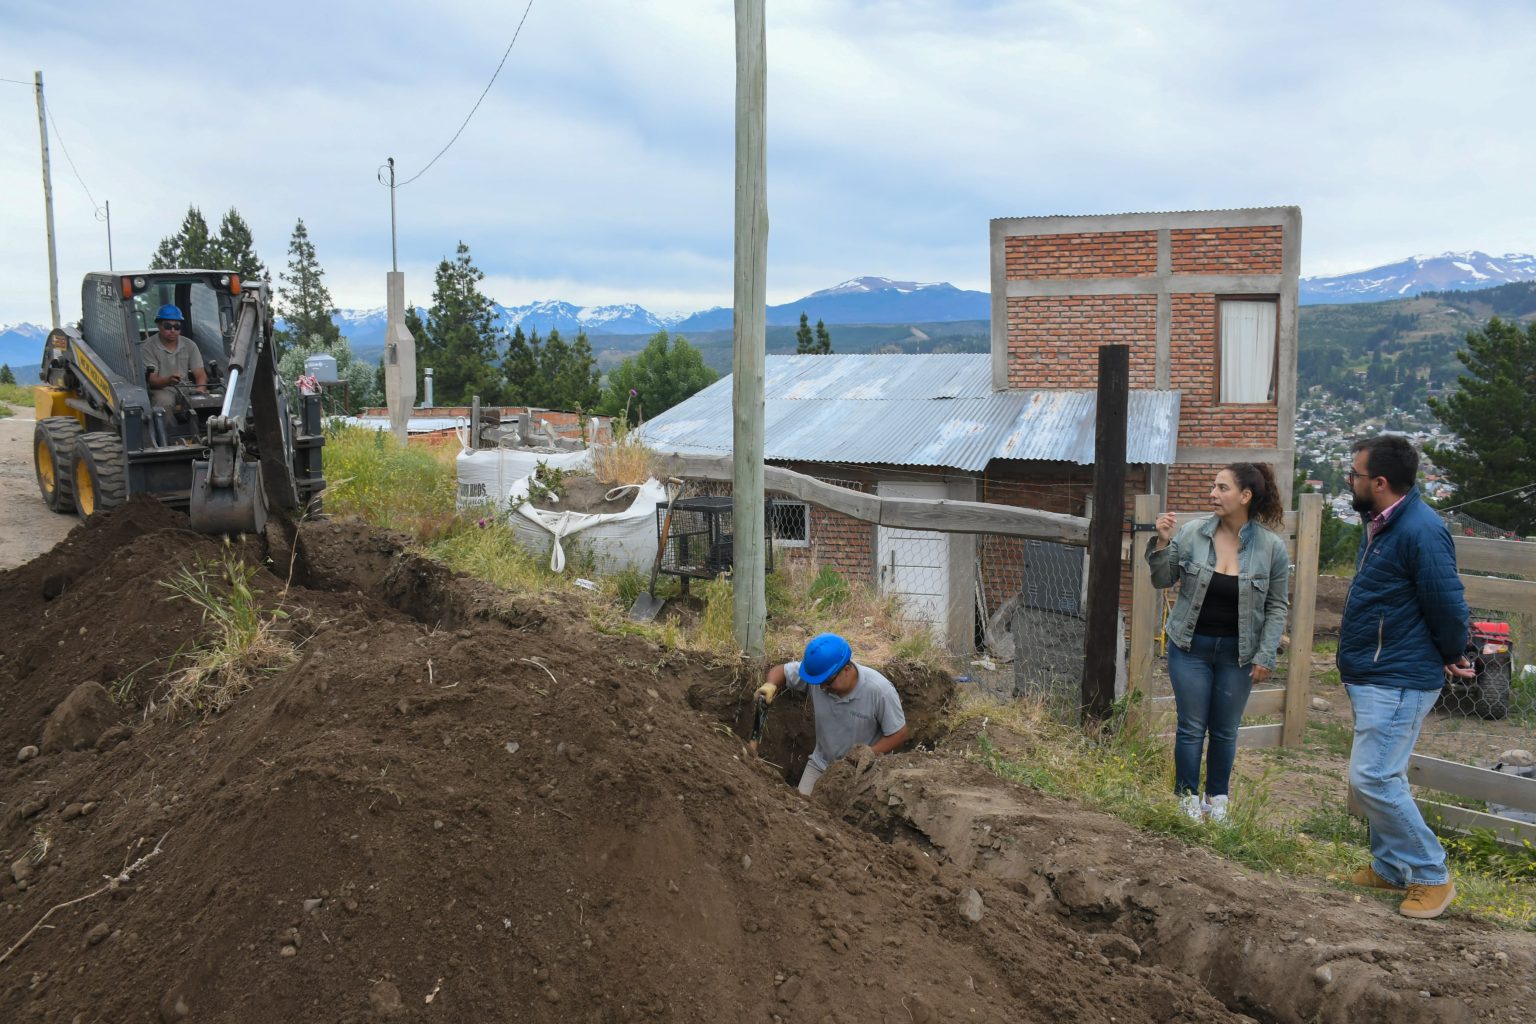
1210 690
1387 723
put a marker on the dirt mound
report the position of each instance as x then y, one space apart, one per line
456 805
583 492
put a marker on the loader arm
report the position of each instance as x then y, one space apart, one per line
248 468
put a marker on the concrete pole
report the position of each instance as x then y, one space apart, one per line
53 255
399 358
750 330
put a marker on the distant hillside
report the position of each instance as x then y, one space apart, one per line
863 300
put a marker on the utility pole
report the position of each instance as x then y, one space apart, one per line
750 332
399 345
53 254
107 206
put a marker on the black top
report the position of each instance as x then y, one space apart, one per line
1218 615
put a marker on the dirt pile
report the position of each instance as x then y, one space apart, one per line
456 805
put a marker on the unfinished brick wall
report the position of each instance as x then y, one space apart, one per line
1244 250
1053 341
1084 254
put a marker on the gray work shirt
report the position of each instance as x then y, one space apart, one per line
871 711
161 362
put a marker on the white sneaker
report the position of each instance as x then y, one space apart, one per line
1217 808
1190 805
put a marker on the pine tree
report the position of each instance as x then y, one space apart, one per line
578 380
235 249
665 372
6 376
521 368
191 248
552 359
461 340
303 300
823 340
1494 422
804 344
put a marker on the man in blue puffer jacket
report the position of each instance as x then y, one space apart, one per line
1404 627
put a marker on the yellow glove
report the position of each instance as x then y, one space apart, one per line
766 693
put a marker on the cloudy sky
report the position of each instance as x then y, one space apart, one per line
600 166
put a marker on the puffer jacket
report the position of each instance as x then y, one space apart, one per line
1263 585
1406 615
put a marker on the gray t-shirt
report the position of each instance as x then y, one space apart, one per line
162 363
871 711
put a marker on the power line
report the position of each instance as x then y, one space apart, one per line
1488 497
476 107
17 81
48 109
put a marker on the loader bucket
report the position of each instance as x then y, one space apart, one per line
240 507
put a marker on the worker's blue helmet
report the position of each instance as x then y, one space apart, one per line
168 312
825 657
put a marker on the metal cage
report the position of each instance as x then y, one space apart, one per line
699 541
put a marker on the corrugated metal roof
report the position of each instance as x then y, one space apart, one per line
912 410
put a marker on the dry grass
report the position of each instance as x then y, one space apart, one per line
625 461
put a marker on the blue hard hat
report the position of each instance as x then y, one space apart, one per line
168 312
824 658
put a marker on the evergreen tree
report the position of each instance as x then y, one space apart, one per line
666 371
804 344
461 340
552 359
190 248
521 368
1494 421
6 376
578 378
823 340
235 249
303 300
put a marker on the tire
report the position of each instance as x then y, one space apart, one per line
53 456
1491 691
100 474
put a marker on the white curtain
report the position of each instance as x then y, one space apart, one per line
1247 351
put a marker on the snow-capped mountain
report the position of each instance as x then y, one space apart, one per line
864 300
21 348
1449 271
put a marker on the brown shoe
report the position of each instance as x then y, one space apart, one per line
1427 901
1368 878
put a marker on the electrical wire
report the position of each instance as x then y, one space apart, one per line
476 107
48 109
17 81
1488 497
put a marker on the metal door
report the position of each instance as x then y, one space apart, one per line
914 564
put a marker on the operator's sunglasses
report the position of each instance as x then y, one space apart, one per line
170 325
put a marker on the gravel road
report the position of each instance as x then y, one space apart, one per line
27 528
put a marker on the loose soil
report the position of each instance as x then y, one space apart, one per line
583 492
460 804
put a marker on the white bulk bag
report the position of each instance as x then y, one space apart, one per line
617 540
486 476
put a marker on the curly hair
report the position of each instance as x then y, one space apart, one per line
1259 479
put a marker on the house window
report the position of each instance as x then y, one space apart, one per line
1248 329
791 522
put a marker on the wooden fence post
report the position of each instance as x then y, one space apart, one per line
1105 533
1145 599
1309 524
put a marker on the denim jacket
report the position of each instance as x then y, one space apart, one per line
1263 585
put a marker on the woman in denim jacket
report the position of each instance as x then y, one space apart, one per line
1224 631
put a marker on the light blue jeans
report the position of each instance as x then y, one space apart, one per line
1210 690
1387 723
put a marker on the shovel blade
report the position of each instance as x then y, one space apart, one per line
645 607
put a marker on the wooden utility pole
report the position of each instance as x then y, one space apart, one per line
1098 691
53 255
750 337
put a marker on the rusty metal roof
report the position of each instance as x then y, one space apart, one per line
912 410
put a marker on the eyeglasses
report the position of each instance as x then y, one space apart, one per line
1351 476
168 326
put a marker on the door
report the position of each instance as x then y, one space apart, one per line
914 564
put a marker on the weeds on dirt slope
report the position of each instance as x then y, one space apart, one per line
1129 775
244 643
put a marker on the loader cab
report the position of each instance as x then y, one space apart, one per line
118 314
209 322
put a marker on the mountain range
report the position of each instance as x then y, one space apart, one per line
880 300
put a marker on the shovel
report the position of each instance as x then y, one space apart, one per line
648 604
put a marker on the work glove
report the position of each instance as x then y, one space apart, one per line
766 693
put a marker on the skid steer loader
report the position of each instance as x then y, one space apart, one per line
225 455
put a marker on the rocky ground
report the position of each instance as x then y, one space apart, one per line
458 804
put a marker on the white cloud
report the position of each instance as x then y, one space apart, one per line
600 166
